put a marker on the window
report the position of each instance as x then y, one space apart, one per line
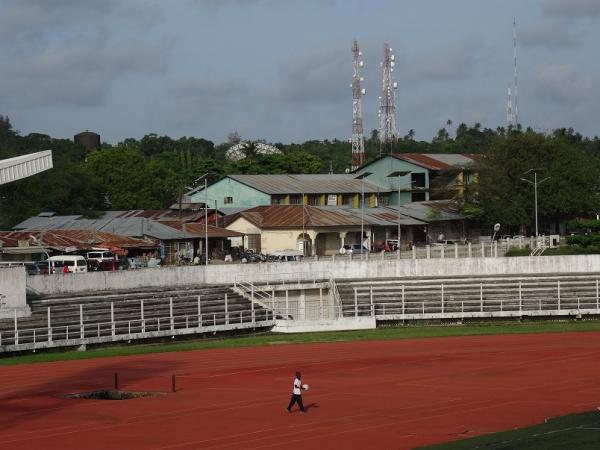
418 196
314 200
254 242
228 200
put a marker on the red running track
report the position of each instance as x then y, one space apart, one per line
364 395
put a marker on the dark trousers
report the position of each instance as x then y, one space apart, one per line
296 398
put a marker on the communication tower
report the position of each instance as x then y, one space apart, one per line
513 108
358 140
387 102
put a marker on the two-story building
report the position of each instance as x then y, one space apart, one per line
247 191
420 177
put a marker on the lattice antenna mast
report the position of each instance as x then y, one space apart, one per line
515 84
358 139
387 108
509 108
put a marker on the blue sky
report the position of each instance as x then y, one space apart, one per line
280 70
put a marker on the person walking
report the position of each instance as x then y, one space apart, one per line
297 394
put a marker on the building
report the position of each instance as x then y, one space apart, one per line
320 230
176 233
34 245
315 190
420 176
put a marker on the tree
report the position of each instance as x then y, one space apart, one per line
569 191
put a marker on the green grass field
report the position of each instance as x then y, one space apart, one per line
577 432
406 332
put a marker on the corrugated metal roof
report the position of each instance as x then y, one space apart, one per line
80 239
291 216
432 211
308 184
435 161
198 229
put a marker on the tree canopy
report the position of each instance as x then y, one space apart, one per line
154 171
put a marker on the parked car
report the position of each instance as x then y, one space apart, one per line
100 255
93 265
42 267
290 255
354 249
443 243
32 268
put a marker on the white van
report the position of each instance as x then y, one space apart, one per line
100 254
75 263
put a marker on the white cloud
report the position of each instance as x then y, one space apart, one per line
453 62
571 8
565 84
63 53
550 33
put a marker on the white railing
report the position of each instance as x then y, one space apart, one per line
262 291
118 330
503 299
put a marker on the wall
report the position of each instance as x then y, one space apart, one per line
242 195
12 293
346 269
383 167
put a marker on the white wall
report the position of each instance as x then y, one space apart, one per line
12 292
346 269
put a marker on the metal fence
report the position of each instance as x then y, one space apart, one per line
484 300
126 330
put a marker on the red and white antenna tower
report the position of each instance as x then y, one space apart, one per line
358 140
513 108
509 107
387 102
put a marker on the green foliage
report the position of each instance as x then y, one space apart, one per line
155 171
588 237
577 431
585 226
567 181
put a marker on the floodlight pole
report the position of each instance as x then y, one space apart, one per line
205 220
362 217
303 228
398 174
535 196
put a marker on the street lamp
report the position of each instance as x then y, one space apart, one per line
362 177
399 173
39 244
535 183
205 177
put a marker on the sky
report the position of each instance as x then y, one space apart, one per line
280 70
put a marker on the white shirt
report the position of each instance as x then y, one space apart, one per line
297 386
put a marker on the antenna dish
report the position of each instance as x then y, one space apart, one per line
361 64
359 53
364 91
395 85
392 64
393 58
